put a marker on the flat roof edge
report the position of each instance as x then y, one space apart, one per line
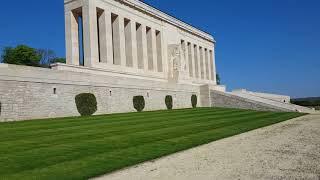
169 18
165 17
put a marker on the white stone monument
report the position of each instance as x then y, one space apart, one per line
118 49
115 49
131 37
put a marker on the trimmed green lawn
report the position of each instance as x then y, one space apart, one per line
84 147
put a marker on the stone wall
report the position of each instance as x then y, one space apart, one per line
34 93
274 97
30 100
221 99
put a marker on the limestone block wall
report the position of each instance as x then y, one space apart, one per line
274 103
274 97
30 100
221 99
34 93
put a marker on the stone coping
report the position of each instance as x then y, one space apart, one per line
144 7
52 76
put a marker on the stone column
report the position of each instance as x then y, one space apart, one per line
134 45
164 50
72 38
193 62
144 47
90 34
204 64
199 64
159 51
140 50
186 56
154 50
213 65
209 65
122 41
196 56
105 31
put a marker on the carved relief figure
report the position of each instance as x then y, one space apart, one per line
174 62
183 59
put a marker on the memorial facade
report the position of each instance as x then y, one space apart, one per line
133 38
115 49
118 49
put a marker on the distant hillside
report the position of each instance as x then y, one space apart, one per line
309 102
307 99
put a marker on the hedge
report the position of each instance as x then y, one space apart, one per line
138 103
194 101
169 102
86 104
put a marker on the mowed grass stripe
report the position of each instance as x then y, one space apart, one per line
34 161
71 143
39 154
95 165
112 122
73 121
113 128
106 120
52 140
141 138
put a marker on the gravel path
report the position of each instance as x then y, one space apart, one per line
288 150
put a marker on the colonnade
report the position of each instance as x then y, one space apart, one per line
95 35
100 36
200 61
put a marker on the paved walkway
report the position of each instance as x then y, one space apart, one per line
289 150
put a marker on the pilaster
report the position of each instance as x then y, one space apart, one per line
90 34
154 50
122 41
210 66
72 38
144 47
134 45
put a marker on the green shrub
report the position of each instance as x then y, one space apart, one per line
169 102
86 104
194 101
138 103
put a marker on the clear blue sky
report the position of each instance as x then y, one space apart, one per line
262 45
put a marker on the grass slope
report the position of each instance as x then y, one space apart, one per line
84 147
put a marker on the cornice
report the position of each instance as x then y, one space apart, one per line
148 9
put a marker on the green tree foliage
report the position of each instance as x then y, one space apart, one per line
194 101
138 103
308 102
86 104
169 102
218 79
49 57
59 60
21 55
25 55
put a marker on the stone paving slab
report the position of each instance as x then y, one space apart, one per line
288 150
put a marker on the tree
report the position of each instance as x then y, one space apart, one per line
25 55
86 104
21 55
59 60
169 102
47 56
1 51
218 79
